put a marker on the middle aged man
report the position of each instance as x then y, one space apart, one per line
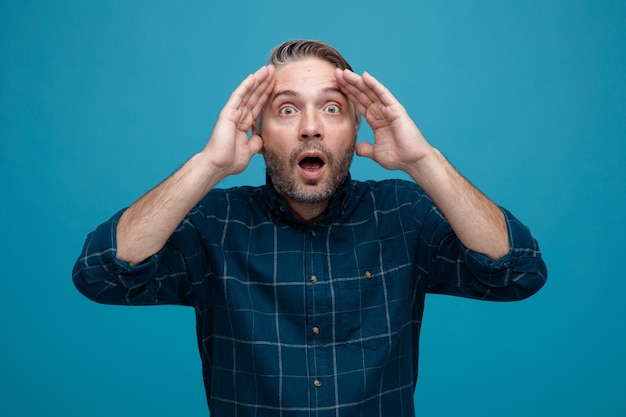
309 290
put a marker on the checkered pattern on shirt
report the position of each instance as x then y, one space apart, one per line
310 320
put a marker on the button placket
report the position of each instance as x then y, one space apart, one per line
317 298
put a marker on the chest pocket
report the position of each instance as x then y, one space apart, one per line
371 306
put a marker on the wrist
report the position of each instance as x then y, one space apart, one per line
203 172
430 166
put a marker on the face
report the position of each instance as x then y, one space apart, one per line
309 132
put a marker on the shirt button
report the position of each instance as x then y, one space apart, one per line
312 233
313 279
315 330
317 382
368 274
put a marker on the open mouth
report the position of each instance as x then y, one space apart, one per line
311 163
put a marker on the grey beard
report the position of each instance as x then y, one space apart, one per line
278 170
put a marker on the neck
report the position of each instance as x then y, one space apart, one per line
307 212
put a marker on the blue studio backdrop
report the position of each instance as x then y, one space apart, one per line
99 101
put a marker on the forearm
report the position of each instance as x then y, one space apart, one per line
398 144
145 227
477 221
161 279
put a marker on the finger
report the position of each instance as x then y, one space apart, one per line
366 89
349 83
256 97
381 92
249 97
352 98
241 95
260 95
241 92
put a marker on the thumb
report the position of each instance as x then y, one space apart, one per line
365 149
255 143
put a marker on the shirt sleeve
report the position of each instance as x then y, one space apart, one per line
457 270
100 276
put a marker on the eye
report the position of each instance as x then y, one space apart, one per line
287 110
333 109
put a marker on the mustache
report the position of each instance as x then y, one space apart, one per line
311 146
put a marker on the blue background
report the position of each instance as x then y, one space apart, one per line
99 101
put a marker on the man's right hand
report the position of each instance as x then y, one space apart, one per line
229 149
146 226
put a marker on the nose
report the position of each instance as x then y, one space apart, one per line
311 126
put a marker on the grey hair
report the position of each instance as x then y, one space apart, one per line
295 50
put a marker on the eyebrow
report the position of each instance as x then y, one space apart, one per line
292 93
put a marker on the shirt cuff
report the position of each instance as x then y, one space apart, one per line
103 251
524 256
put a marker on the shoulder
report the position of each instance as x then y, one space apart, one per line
235 201
391 191
241 193
390 200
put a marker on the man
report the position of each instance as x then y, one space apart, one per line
309 291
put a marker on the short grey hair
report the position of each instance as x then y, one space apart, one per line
295 50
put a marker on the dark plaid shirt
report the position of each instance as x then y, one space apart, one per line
310 320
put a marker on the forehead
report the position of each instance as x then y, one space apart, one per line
306 72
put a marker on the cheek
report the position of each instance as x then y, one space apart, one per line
276 145
344 137
275 131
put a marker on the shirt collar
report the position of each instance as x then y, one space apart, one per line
337 206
